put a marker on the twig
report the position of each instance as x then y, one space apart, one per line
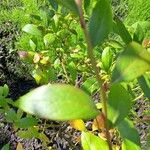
90 48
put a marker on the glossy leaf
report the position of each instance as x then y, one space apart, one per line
58 102
119 104
131 140
107 57
100 22
133 62
91 142
122 31
32 29
69 4
144 82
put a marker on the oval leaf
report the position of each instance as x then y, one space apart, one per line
133 62
69 4
49 39
26 122
119 104
144 82
129 134
122 31
78 124
32 45
58 102
92 142
100 22
107 58
32 29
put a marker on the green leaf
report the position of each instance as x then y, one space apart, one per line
107 57
53 4
139 34
133 62
100 22
90 85
122 31
91 142
36 17
5 90
32 45
87 4
11 116
5 147
28 134
43 137
144 82
119 104
58 102
70 4
129 145
148 142
26 122
49 39
32 29
129 134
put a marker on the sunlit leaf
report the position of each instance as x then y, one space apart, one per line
119 104
49 39
100 22
78 124
92 142
58 102
107 57
36 58
129 145
19 146
128 132
133 62
32 45
32 29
